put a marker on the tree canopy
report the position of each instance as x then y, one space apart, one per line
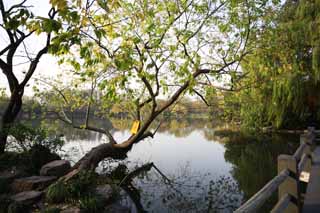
144 51
282 74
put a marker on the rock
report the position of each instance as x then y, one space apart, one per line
6 178
56 168
27 197
105 192
71 210
32 183
11 174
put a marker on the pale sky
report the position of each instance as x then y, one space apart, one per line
48 64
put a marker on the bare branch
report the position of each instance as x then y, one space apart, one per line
69 121
93 86
145 81
205 20
16 6
35 61
201 97
26 51
98 42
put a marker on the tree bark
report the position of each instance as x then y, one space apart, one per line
91 160
9 116
3 141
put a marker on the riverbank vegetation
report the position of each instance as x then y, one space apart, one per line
281 84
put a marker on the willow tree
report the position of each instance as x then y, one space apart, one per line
143 51
18 25
282 84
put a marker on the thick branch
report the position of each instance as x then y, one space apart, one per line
5 49
86 127
12 80
93 85
4 18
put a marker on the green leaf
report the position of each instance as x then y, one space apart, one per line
60 4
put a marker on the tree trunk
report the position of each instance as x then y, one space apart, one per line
9 116
97 154
107 150
3 141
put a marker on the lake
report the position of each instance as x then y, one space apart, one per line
201 166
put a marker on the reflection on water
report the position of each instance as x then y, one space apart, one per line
255 161
210 170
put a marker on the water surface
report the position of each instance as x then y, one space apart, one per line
209 170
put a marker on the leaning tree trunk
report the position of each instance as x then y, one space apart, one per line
107 150
97 154
9 116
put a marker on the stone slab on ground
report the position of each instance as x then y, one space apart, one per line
55 168
11 174
32 183
27 197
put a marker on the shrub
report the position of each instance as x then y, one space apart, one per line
91 204
9 160
52 210
24 137
77 188
82 184
33 148
40 155
57 192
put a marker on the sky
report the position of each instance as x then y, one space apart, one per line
48 64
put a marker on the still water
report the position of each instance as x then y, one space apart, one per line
202 167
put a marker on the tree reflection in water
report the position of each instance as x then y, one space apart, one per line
254 159
152 191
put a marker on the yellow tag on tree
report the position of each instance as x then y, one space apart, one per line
135 127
